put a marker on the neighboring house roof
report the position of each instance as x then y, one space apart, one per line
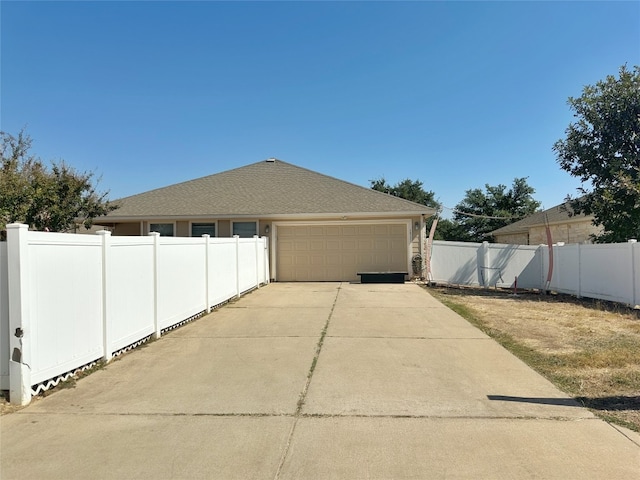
267 189
562 213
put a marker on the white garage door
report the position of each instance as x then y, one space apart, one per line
337 252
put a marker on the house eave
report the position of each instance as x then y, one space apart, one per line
280 216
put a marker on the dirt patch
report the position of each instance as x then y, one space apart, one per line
589 349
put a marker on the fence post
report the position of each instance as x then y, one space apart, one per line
206 272
486 262
237 238
106 286
156 321
255 239
579 270
19 314
632 247
265 260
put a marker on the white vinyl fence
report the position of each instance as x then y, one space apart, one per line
69 300
607 271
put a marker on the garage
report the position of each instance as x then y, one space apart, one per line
337 252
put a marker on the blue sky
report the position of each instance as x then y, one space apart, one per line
455 94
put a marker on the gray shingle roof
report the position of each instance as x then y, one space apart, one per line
561 213
266 188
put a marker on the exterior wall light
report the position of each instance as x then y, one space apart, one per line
266 229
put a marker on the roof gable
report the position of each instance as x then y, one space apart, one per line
561 213
265 188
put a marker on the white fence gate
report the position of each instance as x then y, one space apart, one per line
68 300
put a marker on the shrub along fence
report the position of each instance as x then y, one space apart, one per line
605 271
67 301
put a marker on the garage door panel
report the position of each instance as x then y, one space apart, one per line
398 230
349 259
333 259
366 244
333 245
285 246
349 244
366 230
317 260
301 246
338 252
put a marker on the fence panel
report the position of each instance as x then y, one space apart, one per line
566 269
247 263
506 262
222 270
130 294
606 272
181 279
4 319
65 302
455 262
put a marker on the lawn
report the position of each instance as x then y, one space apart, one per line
589 349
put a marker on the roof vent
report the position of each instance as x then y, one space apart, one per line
271 160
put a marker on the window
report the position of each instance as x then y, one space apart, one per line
245 229
199 229
164 229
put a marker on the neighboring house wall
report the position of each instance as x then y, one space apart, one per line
513 238
578 232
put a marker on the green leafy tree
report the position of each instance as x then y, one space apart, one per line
481 212
53 199
407 189
602 148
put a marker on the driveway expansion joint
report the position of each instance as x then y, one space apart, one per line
303 394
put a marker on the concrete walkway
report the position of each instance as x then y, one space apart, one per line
316 381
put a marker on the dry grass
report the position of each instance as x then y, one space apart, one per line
589 349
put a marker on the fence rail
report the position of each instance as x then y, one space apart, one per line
68 300
607 271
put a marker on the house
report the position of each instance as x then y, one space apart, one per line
565 226
320 228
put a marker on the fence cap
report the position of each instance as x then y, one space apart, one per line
632 240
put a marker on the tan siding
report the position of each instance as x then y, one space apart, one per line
127 229
182 229
224 228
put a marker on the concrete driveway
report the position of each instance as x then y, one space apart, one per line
317 381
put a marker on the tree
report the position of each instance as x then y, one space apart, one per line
407 189
51 199
479 213
603 148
